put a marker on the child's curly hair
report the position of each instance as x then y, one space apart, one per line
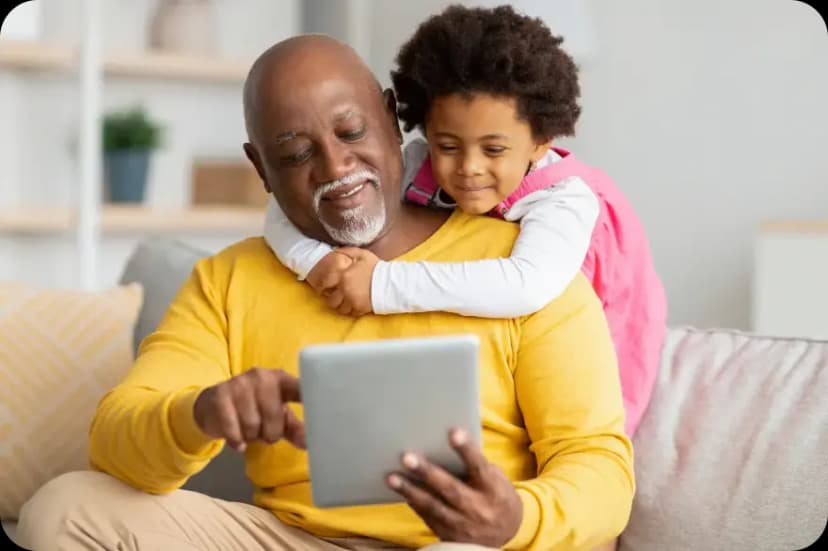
494 51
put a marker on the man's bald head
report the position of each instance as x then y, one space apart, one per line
303 58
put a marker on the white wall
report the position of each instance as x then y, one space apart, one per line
9 134
710 115
326 16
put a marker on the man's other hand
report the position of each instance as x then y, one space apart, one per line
485 510
249 407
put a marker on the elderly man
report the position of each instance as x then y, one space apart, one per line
555 468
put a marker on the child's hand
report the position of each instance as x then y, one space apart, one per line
352 294
327 273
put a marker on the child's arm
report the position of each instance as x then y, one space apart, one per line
556 226
295 250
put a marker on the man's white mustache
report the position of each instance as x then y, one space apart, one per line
351 178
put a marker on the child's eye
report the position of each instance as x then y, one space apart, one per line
494 150
446 147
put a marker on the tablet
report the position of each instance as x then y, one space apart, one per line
365 403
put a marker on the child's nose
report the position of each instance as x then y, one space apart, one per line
470 165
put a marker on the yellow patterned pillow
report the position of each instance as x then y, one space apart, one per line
60 351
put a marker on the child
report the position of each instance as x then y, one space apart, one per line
491 89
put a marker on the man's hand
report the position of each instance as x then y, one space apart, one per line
251 406
486 510
351 296
325 276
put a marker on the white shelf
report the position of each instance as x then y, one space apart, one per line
137 219
157 65
794 226
34 56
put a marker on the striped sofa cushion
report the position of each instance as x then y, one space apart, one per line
60 351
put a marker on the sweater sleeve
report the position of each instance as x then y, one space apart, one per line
294 250
569 393
143 431
556 226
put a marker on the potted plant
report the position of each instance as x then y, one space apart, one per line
128 139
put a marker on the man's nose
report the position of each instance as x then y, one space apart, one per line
336 160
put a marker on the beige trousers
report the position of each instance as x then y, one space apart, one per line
93 511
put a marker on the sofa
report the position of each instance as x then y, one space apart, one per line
731 454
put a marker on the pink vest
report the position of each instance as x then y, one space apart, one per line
618 263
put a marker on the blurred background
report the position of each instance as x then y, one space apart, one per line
709 114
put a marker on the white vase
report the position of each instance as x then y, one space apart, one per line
184 26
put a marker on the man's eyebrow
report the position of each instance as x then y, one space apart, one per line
345 114
284 137
292 134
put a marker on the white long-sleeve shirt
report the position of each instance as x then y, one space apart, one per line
556 226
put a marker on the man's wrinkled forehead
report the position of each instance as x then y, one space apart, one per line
323 103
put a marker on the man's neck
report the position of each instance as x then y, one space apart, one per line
411 226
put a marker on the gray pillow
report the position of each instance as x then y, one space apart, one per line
162 266
731 453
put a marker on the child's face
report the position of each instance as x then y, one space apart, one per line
480 149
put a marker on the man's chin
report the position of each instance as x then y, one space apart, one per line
355 233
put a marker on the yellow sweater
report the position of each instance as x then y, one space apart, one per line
551 401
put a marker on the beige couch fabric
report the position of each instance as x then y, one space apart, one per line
733 449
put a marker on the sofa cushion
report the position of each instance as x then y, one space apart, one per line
161 266
731 453
60 352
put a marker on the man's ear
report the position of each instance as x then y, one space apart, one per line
254 158
391 106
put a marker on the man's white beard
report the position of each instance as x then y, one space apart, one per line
360 228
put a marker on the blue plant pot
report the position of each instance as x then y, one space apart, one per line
125 172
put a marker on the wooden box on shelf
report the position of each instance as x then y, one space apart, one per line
226 182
